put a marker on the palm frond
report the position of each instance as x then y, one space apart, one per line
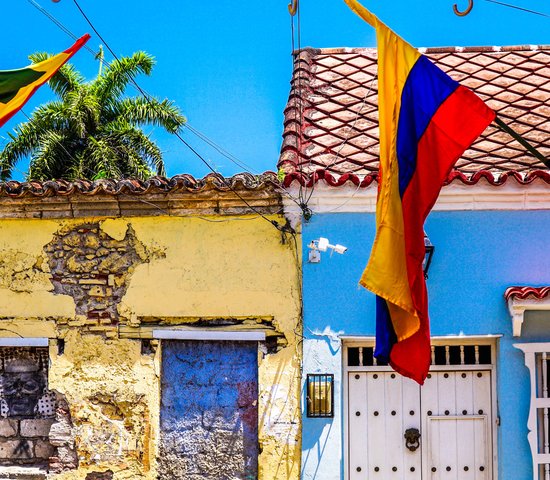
140 156
23 141
140 111
84 112
102 160
117 76
50 158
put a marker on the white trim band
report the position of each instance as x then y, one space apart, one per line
24 342
208 335
454 197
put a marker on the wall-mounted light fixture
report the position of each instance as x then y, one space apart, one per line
321 245
429 251
320 395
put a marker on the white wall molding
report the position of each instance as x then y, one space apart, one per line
24 342
454 197
517 307
213 335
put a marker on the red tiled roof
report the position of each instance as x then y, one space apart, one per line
524 292
178 183
331 119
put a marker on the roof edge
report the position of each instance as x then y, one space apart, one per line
427 50
363 181
132 186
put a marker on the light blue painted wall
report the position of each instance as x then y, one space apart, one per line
478 255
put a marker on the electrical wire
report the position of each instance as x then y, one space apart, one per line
220 149
534 12
193 130
283 228
60 25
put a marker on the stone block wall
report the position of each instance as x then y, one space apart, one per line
28 410
98 287
25 442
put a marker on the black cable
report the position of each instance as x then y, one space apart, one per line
281 228
147 97
519 8
522 141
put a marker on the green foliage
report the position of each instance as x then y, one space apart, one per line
92 130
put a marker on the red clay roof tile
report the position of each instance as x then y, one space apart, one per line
524 292
331 118
178 183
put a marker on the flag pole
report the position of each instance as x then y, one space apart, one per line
522 141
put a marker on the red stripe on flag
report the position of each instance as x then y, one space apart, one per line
453 128
77 45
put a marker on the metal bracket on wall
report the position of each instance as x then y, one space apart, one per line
463 13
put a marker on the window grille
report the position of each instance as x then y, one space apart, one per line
440 355
320 395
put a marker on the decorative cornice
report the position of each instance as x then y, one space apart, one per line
351 197
520 299
526 292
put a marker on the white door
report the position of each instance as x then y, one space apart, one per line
452 412
382 406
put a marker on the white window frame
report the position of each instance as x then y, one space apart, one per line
530 351
359 341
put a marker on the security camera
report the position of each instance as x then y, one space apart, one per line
321 245
339 248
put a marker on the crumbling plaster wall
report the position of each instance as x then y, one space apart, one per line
186 268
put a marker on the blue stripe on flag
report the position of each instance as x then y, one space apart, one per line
425 89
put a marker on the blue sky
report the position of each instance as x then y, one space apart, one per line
228 64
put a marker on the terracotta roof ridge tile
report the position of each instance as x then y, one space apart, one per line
525 291
495 179
132 186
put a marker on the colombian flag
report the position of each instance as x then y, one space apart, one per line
17 86
427 120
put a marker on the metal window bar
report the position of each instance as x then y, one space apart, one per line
320 395
440 355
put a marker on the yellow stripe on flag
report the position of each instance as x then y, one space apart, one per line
48 67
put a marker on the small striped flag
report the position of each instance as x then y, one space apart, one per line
17 86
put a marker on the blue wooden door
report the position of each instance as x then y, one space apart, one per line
209 410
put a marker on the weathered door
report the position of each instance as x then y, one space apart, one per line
209 416
451 412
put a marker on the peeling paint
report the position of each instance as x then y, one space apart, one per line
179 271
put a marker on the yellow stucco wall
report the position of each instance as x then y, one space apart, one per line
189 268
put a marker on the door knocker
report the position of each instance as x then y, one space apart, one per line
412 439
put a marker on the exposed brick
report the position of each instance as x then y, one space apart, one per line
92 281
96 291
36 427
8 427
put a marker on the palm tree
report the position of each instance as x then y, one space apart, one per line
92 130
